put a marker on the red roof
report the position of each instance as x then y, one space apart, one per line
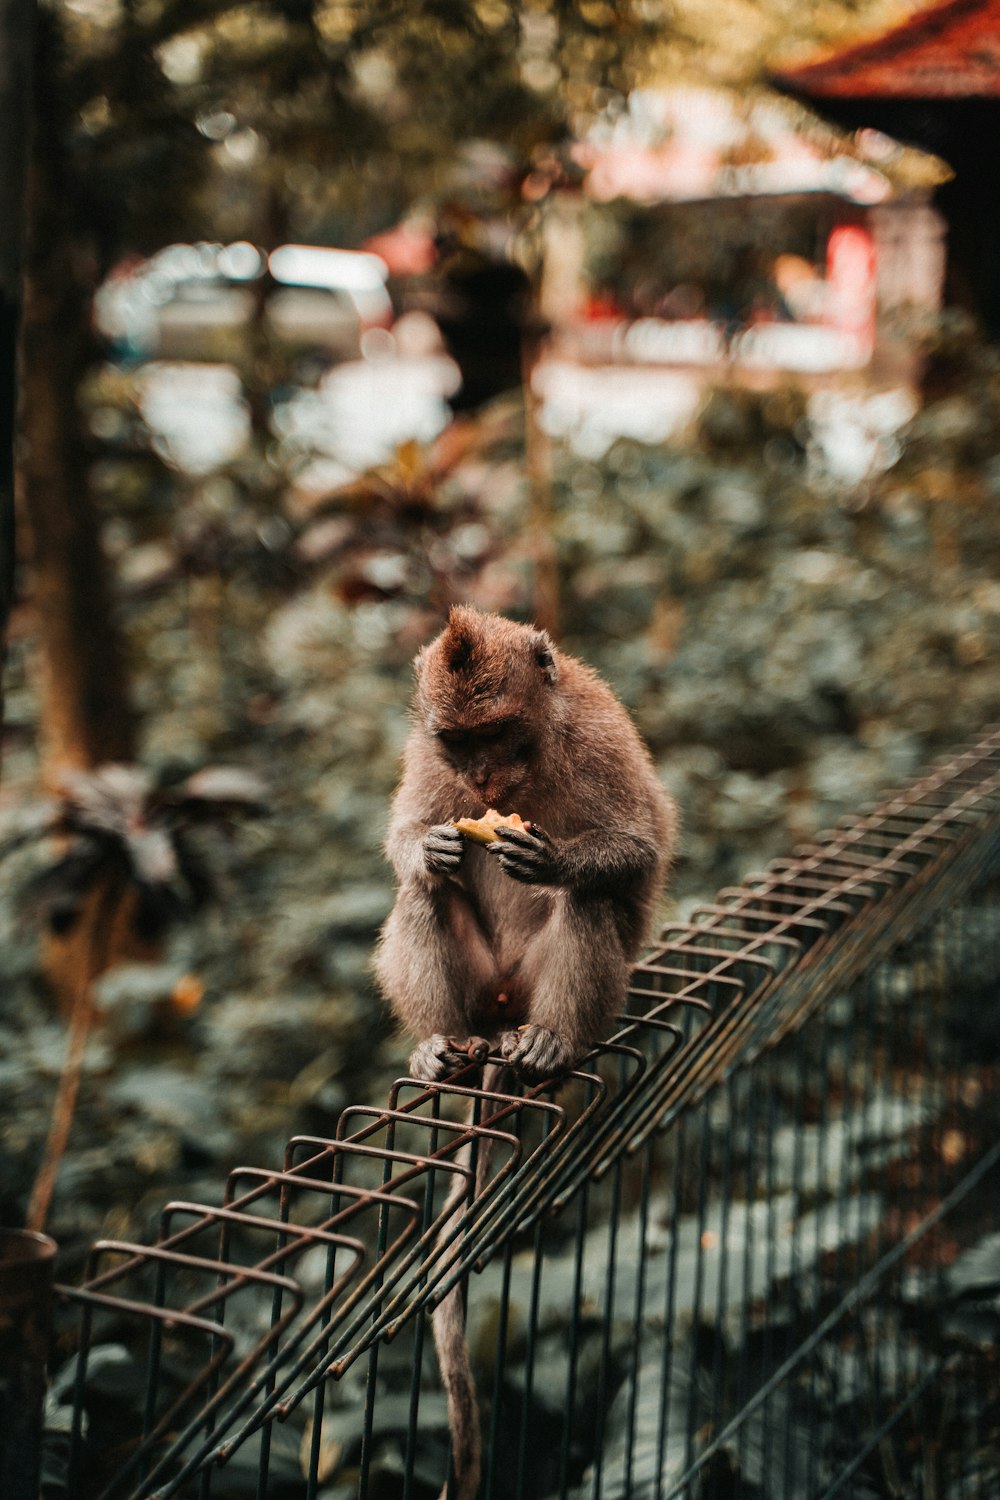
951 51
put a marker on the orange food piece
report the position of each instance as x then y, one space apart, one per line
484 830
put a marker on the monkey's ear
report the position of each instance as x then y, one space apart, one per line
458 639
542 648
458 651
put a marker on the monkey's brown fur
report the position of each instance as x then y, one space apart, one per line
539 930
523 946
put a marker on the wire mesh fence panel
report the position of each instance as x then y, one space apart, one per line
746 1250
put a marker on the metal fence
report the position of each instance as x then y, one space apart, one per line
745 1251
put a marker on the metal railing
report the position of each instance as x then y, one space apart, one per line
723 1258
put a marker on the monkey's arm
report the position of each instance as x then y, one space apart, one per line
421 843
598 860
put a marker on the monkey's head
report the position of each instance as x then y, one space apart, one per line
484 693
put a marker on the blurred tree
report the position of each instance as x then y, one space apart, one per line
331 118
17 26
107 144
85 718
109 162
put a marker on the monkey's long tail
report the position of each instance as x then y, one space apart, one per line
448 1323
452 1346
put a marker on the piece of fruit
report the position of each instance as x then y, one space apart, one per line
484 830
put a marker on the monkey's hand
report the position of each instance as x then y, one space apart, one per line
531 856
443 849
438 1056
536 1052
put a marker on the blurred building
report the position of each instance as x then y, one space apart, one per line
711 228
933 81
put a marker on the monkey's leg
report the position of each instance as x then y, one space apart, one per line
576 972
433 962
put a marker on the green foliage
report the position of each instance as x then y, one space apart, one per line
330 107
115 825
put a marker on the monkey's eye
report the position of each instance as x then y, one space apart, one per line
466 741
451 738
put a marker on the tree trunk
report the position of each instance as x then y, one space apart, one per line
84 705
85 714
17 28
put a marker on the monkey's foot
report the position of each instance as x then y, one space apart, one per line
439 1056
536 1052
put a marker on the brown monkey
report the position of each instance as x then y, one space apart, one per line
525 943
522 946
